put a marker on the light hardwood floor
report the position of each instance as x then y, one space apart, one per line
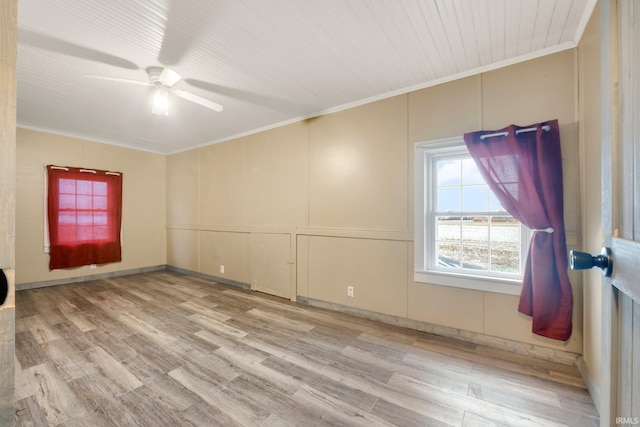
164 349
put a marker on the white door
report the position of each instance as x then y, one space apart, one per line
621 211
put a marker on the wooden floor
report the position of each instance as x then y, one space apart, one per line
163 349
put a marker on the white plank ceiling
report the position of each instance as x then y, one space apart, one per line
268 62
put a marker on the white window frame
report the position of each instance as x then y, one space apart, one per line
424 177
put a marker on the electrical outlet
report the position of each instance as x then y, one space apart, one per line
221 268
350 291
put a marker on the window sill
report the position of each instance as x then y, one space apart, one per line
477 283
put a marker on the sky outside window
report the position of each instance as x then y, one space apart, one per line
461 188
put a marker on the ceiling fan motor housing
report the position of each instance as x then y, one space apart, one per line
162 76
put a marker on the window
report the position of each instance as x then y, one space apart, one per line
464 237
84 211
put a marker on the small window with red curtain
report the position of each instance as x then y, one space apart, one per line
84 212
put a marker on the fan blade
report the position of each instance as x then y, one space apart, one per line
119 80
185 24
197 99
265 101
53 44
169 77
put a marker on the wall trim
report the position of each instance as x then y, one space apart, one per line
544 353
216 279
246 229
356 233
592 387
87 278
349 233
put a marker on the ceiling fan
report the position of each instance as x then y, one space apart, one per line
163 79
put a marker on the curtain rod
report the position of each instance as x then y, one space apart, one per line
84 170
518 132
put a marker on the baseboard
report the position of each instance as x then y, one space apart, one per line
98 276
593 388
216 279
564 357
87 278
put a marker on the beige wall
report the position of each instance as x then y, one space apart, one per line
524 93
592 235
341 186
357 167
144 192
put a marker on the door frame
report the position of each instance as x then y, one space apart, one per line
608 55
8 54
620 150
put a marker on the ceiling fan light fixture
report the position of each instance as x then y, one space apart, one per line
168 77
161 101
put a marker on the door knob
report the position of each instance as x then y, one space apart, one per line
584 261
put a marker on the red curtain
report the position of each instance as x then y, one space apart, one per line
523 167
85 215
